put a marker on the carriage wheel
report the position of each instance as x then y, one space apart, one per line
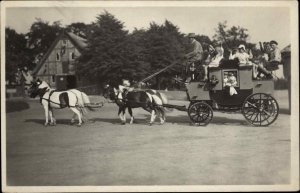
200 113
260 109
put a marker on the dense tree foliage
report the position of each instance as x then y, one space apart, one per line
41 36
16 53
80 29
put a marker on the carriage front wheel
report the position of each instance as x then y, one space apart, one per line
260 109
200 113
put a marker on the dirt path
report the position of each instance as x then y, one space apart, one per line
226 152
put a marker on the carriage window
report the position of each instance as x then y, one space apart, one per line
57 57
230 77
53 78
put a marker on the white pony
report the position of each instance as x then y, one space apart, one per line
52 99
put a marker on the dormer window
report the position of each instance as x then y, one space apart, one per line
72 56
57 57
64 42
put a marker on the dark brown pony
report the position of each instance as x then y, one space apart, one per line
150 100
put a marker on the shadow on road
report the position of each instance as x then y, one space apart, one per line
116 121
58 121
184 120
284 111
16 105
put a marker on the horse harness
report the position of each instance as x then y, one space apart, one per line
124 100
63 98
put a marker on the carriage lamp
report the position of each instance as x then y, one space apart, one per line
192 67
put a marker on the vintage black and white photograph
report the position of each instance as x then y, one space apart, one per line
149 96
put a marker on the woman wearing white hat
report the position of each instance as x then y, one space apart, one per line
242 56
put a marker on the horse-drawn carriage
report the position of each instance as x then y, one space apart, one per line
252 97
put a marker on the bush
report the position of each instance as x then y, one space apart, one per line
281 84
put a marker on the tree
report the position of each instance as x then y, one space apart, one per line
41 36
164 45
16 53
79 28
104 57
232 37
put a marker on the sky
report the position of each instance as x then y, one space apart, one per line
263 23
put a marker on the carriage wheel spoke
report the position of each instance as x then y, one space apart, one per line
260 109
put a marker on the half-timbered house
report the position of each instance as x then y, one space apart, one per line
58 65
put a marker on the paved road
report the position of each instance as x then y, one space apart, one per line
226 152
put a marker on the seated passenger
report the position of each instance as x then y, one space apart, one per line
275 57
215 55
242 56
230 81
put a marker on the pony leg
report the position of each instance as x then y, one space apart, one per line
52 119
75 110
73 118
130 113
84 118
153 116
121 110
162 115
46 115
124 116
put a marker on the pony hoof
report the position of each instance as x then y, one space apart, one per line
79 125
150 124
46 124
123 123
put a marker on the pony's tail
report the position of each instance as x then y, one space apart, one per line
159 98
163 98
86 102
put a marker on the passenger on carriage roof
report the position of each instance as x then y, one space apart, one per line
242 56
214 58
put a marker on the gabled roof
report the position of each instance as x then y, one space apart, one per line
79 42
286 49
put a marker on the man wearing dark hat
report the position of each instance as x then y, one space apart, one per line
275 57
196 55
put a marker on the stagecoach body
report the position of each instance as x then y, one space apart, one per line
254 97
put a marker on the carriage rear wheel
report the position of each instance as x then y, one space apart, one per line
260 109
200 113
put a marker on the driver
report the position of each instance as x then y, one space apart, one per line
195 56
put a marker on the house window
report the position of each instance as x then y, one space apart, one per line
53 78
57 57
64 42
72 56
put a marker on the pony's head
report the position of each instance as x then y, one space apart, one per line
38 87
110 92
